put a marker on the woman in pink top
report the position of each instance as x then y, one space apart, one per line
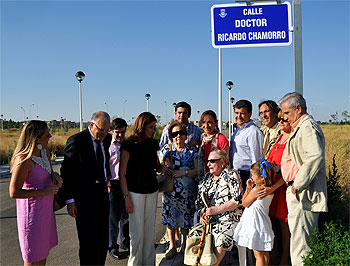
211 140
34 190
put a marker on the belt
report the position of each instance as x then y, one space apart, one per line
290 183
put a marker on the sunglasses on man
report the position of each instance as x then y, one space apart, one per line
180 132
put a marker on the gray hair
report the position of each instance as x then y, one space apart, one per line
294 98
97 115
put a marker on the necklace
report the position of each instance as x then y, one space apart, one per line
43 161
280 143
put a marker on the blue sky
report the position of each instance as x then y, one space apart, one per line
130 48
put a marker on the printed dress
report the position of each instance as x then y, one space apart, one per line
227 188
254 230
35 218
179 205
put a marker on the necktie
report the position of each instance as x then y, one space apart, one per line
267 141
100 162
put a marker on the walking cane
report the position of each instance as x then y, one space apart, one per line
201 242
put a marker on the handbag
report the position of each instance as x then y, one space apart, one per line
166 182
208 256
58 201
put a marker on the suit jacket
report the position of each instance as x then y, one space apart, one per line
305 147
79 168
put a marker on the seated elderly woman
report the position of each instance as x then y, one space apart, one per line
223 188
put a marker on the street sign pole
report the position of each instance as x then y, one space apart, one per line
220 92
297 47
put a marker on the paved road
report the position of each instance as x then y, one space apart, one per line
66 253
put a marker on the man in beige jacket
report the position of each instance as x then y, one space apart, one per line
303 169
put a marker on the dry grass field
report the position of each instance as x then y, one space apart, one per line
337 142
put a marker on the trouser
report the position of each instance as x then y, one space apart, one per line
92 226
301 224
142 229
244 177
118 218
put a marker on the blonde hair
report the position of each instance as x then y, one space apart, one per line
223 156
256 169
26 143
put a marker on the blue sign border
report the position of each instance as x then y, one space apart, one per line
277 18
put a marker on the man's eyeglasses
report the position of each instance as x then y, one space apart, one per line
180 132
213 160
100 129
282 119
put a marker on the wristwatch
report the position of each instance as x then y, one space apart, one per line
186 172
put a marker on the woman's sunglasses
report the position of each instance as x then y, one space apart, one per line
282 119
213 160
180 132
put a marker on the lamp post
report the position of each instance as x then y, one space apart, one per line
147 96
232 106
166 112
198 112
124 108
24 114
30 106
174 104
2 122
106 107
229 85
80 76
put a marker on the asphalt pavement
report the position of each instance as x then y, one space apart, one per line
66 252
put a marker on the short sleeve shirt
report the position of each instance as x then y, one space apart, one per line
142 164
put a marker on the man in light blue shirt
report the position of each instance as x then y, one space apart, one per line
182 114
246 142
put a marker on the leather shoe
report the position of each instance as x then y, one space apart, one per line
116 254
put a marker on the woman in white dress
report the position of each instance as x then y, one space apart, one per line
254 230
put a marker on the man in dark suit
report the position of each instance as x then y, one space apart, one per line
85 172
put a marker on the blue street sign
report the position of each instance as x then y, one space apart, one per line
239 25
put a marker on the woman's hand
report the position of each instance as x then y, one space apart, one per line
166 162
265 191
128 205
51 190
250 183
213 210
57 180
204 219
178 173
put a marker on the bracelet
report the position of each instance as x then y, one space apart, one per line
125 196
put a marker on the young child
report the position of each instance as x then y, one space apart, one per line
254 230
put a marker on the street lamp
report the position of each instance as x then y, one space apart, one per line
24 114
124 108
233 107
198 112
80 76
166 112
174 104
30 116
106 107
229 85
147 96
2 122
